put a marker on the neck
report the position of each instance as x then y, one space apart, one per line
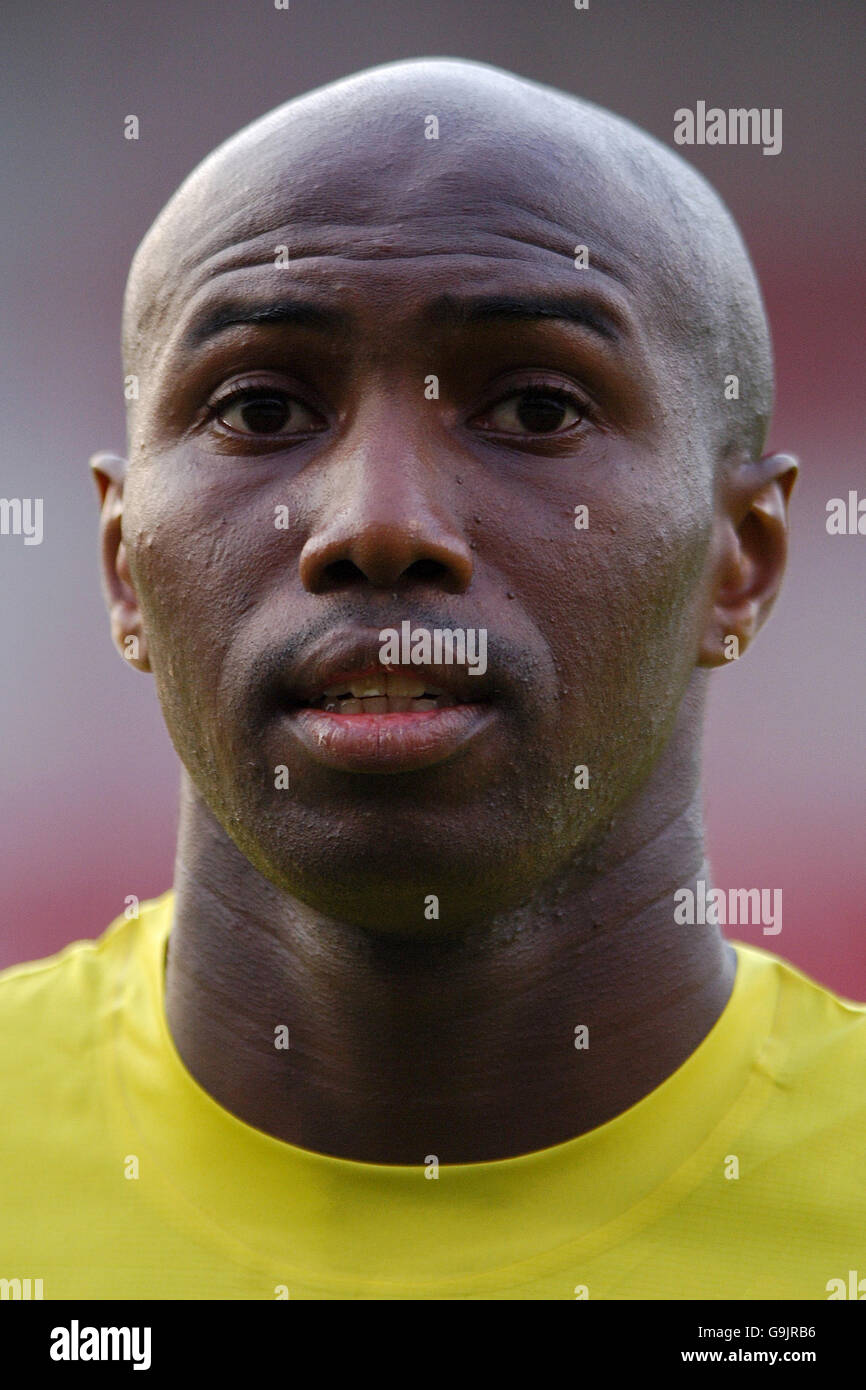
464 1049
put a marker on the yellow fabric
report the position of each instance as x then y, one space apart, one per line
640 1207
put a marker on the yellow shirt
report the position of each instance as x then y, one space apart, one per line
742 1176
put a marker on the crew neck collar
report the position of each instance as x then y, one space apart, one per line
339 1221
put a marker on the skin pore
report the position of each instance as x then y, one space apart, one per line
558 386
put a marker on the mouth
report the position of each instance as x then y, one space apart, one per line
383 692
354 714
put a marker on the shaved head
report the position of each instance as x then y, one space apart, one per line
537 165
435 343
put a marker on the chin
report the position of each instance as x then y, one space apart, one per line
411 892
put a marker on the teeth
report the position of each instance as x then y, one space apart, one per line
384 704
369 688
389 684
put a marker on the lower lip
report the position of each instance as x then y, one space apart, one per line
388 742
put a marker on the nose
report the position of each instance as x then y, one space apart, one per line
384 521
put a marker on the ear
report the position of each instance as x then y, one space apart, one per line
127 628
750 553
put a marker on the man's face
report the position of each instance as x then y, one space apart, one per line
298 482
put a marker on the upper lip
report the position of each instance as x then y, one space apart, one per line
353 652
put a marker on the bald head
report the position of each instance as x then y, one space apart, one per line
529 164
438 345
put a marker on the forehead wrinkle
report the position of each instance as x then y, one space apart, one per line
234 259
510 219
410 244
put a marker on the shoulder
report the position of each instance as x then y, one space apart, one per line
62 999
801 996
62 1021
817 1044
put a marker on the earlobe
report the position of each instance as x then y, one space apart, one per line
751 557
127 629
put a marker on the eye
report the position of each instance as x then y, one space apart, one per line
534 410
265 411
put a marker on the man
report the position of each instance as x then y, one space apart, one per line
436 350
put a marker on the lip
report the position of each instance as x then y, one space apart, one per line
387 742
351 652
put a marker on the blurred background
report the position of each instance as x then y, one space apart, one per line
89 778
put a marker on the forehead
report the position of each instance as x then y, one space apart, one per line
391 221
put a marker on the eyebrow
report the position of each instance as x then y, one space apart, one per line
583 309
302 313
448 310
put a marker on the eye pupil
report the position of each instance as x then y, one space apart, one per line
265 414
540 412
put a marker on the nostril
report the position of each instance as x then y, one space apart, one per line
426 569
345 574
327 568
341 573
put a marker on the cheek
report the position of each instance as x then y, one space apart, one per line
195 540
618 601
196 560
